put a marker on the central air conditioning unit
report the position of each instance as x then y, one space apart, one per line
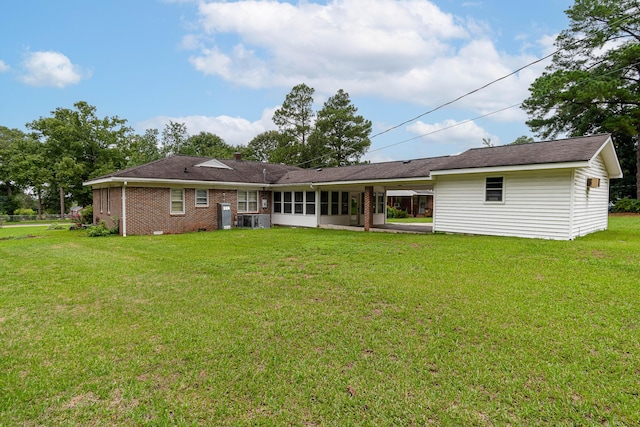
254 221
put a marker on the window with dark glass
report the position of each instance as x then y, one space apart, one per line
335 203
287 202
380 204
298 206
324 203
277 202
311 203
345 203
494 189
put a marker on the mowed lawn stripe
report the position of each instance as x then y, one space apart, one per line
319 327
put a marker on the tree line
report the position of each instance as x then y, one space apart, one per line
58 153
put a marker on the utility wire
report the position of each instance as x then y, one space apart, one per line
574 44
492 113
491 82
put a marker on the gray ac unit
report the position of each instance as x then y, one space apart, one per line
254 221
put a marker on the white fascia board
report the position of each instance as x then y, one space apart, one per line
515 168
168 183
610 158
391 181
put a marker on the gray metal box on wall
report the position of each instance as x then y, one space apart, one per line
224 216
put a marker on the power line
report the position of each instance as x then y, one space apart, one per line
491 82
493 112
571 45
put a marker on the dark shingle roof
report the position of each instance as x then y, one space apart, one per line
375 171
558 151
248 172
184 168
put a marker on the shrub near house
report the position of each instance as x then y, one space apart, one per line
626 206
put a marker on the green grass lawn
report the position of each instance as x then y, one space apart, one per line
411 220
318 327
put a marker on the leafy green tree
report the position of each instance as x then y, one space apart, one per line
174 137
143 148
78 146
30 167
9 138
341 137
593 83
273 147
206 144
522 140
295 119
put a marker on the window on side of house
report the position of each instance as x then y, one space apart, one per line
253 201
378 203
310 203
247 201
298 199
324 203
202 198
494 189
177 201
287 202
345 203
277 202
335 203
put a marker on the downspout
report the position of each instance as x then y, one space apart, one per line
124 209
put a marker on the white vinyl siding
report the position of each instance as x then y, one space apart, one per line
535 204
590 204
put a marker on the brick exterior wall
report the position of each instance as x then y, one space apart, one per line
369 200
111 212
148 209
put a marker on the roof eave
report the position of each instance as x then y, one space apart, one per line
610 158
513 168
424 179
120 180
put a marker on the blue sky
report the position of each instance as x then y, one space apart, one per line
224 67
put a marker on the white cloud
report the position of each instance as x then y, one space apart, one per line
406 50
4 67
234 130
49 68
459 135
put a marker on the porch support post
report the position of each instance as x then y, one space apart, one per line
368 208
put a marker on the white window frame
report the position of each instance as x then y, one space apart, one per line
494 188
173 191
204 204
378 203
246 202
310 205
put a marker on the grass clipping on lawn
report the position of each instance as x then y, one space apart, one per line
319 327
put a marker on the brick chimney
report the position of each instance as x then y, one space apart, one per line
237 156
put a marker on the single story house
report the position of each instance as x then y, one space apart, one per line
554 190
